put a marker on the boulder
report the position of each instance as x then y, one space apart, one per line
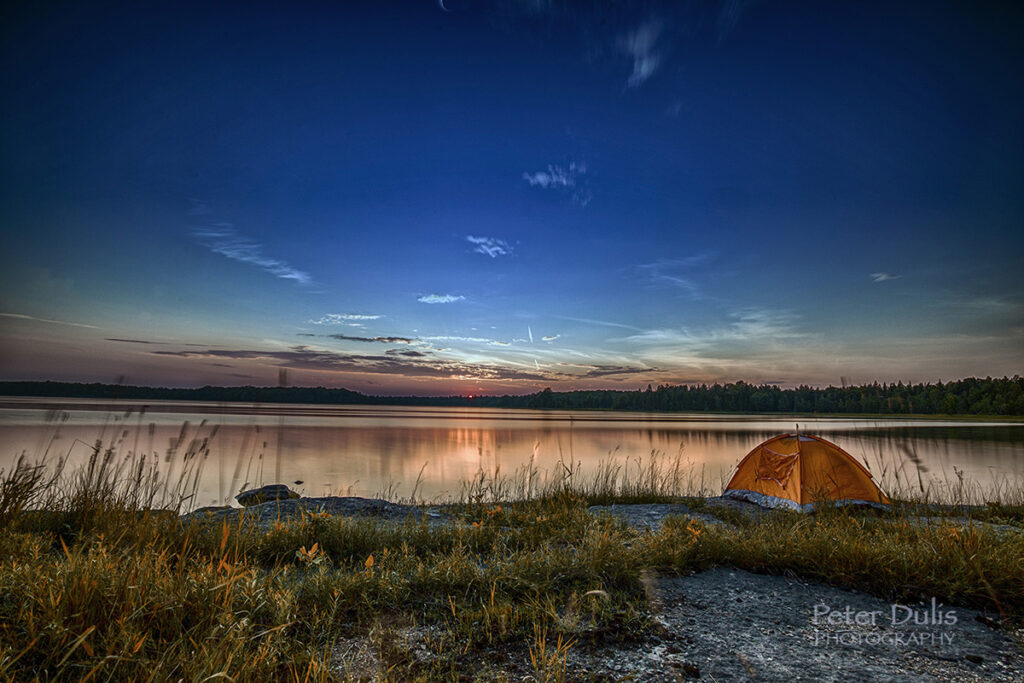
265 494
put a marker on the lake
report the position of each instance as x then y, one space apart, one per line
393 450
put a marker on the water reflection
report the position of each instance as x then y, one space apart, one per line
360 450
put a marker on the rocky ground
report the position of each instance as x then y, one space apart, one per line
294 508
731 625
723 624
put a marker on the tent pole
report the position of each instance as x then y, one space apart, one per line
800 463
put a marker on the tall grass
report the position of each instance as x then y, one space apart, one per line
100 579
656 478
905 478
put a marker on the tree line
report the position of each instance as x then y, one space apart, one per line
970 396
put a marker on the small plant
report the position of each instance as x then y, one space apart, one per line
18 488
547 659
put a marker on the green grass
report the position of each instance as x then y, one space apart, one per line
95 585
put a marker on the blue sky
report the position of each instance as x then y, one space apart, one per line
497 196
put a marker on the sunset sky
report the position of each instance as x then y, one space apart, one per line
467 196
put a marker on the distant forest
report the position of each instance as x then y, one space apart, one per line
963 397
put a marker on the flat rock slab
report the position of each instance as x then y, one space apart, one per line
732 625
295 508
652 515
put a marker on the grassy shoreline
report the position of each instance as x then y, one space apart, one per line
101 587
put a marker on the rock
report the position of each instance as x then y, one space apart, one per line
265 494
650 516
731 641
210 510
294 508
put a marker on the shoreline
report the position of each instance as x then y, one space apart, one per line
272 408
371 590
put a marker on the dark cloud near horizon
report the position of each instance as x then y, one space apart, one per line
380 340
132 341
402 363
304 358
609 370
407 354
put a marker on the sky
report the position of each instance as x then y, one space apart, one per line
462 197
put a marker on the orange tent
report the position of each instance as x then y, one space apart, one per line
793 471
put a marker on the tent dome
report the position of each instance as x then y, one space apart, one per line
794 471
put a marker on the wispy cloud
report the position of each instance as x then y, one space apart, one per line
551 338
677 273
761 323
753 325
343 318
491 246
223 239
571 179
471 340
21 316
882 277
556 176
131 341
440 298
602 323
640 44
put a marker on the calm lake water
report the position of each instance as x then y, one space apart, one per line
369 450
